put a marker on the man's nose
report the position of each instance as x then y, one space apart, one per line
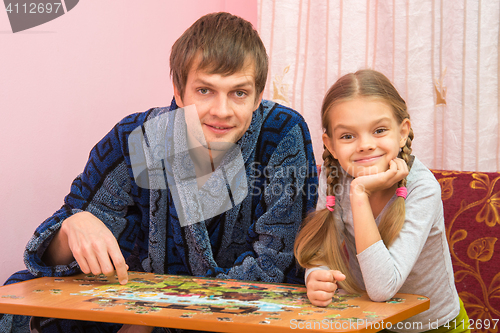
221 107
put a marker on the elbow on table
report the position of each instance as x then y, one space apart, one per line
380 295
381 290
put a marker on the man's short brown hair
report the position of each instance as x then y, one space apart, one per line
223 42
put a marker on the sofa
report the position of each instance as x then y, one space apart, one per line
471 202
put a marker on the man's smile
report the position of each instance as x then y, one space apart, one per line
219 128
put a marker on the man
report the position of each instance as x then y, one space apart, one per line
215 185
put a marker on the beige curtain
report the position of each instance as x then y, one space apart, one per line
441 55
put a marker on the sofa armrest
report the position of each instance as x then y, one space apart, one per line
471 202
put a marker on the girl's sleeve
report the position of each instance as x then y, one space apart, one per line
322 189
386 270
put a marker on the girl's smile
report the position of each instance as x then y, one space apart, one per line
368 160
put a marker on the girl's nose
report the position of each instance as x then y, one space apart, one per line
366 143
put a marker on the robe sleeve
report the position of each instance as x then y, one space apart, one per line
103 189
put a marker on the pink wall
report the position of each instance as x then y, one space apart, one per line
64 84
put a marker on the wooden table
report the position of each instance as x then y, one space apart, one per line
202 304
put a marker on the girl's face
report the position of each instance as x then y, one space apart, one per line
364 135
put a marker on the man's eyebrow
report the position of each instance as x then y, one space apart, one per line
245 84
202 82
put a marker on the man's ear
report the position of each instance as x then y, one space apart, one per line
258 100
178 98
328 144
404 130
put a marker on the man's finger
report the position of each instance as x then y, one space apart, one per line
105 264
122 274
119 263
101 251
93 264
84 267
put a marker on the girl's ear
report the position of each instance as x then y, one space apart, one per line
328 144
404 131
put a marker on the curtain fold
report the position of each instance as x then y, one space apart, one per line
442 56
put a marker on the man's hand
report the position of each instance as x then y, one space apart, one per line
135 329
87 239
321 285
398 170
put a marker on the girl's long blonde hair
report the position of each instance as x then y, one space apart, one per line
319 242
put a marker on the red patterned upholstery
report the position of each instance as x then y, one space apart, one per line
472 217
471 202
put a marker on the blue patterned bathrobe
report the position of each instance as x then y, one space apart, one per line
253 240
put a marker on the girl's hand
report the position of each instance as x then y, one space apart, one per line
321 285
398 170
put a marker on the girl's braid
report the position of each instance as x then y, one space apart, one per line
405 155
331 169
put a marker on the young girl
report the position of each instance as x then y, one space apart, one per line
383 203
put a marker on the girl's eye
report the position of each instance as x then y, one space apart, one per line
346 136
203 91
380 130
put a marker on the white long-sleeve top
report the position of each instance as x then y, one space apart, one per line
418 262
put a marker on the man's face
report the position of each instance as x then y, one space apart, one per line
225 104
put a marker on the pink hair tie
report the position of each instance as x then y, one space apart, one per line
330 202
401 192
